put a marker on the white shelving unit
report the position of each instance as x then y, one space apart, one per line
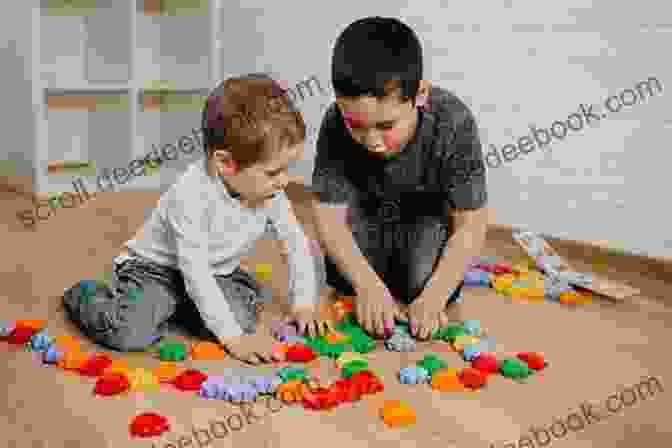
96 64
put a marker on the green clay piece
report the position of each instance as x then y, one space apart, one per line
432 363
363 344
292 374
175 351
135 294
515 369
334 350
353 367
449 334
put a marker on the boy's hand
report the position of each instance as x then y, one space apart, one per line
426 316
310 322
253 349
376 308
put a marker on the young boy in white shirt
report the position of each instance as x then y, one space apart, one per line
185 261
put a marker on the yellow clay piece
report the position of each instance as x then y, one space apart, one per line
347 357
73 360
117 366
68 343
143 380
447 380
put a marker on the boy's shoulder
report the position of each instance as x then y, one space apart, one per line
446 108
192 186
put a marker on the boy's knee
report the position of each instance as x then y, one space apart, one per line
124 340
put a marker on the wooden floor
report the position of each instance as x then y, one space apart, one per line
594 351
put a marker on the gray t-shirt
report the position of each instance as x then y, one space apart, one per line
439 170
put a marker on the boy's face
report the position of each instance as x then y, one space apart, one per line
260 181
382 126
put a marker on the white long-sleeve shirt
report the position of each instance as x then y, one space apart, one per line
198 228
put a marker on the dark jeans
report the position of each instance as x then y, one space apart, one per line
133 312
404 255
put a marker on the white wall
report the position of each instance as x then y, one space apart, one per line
513 62
516 63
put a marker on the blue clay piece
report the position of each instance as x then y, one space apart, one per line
88 286
53 355
472 327
41 342
471 352
413 375
476 278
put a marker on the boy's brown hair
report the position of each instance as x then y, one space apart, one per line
252 118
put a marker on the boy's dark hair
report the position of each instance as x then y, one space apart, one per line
375 56
251 117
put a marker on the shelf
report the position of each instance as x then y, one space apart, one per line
175 8
69 8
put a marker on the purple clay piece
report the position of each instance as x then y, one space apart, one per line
265 384
294 340
476 278
240 393
212 388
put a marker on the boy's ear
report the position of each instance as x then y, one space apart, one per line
225 162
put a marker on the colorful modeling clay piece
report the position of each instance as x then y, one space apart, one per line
432 363
292 340
471 352
67 343
367 382
476 278
265 384
400 342
117 367
279 352
172 352
300 353
35 324
207 351
167 371
53 355
111 384
363 344
515 369
413 375
73 360
534 360
473 378
321 398
95 365
555 288
345 391
264 272
291 391
6 328
240 393
143 380
472 327
338 338
575 298
21 335
213 388
447 380
288 374
347 357
449 334
41 342
502 268
396 414
189 380
149 424
486 363
353 367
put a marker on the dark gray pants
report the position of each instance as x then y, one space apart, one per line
133 312
403 254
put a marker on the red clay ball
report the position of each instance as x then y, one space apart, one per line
473 378
190 380
535 361
486 363
149 424
300 353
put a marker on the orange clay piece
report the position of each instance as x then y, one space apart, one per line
117 366
291 391
575 298
447 380
207 351
68 343
397 414
73 360
34 324
167 371
337 338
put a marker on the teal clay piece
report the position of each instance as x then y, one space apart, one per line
175 351
353 367
515 369
292 374
432 363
